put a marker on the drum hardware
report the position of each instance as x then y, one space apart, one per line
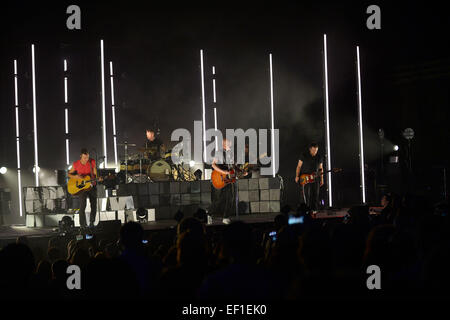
126 145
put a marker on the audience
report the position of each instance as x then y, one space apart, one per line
409 240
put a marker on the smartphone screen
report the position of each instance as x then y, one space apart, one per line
296 220
89 236
273 235
144 241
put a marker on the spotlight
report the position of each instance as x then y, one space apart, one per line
142 215
396 148
117 170
3 170
38 169
191 163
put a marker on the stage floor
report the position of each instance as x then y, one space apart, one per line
14 231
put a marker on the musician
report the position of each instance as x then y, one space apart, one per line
223 200
80 169
310 162
153 145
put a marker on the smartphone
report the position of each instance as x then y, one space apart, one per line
79 237
144 241
273 235
296 220
89 236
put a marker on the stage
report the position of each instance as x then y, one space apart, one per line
14 231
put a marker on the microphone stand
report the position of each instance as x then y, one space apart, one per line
96 190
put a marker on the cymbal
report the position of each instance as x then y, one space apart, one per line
127 144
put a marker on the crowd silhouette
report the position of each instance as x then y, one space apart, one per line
320 258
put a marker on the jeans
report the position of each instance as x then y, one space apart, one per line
224 201
309 194
92 194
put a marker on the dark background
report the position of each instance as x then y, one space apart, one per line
155 50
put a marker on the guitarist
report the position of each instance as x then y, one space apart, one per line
310 163
80 169
223 200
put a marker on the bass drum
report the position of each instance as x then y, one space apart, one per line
159 171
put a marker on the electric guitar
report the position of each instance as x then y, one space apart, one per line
76 186
311 177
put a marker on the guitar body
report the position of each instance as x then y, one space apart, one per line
307 178
75 186
311 177
220 180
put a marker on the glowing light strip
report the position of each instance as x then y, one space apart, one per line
65 90
271 113
36 159
16 100
111 73
102 63
203 105
215 101
67 152
66 114
327 122
361 145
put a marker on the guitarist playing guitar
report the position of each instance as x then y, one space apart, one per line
224 200
80 169
310 163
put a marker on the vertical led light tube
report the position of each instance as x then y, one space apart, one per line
16 107
272 115
360 127
36 159
215 104
113 110
327 122
66 113
102 68
203 105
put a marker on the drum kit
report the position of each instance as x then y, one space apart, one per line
146 166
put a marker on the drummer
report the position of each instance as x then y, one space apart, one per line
153 145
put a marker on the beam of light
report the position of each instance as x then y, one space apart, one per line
66 120
113 109
203 105
215 102
67 152
66 114
102 65
36 159
16 106
327 122
360 123
65 90
272 115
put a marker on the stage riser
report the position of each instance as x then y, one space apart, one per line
260 195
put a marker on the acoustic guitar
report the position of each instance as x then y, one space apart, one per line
76 186
311 177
